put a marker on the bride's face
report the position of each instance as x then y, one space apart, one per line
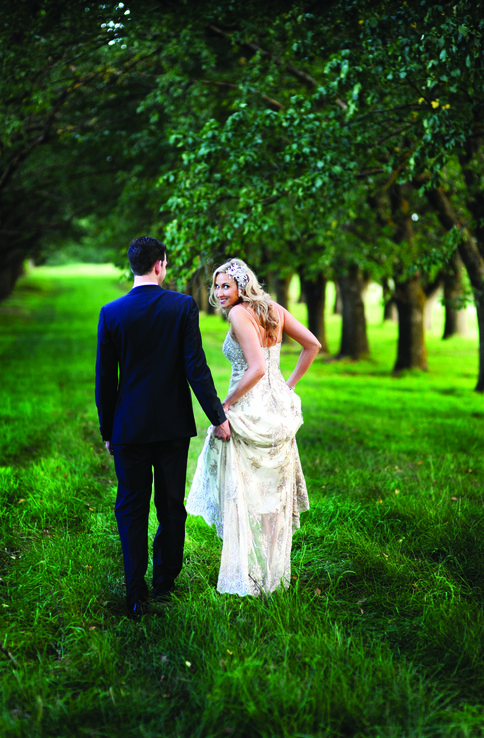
226 290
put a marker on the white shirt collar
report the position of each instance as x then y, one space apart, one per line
143 284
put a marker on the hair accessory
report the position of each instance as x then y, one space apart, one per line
239 273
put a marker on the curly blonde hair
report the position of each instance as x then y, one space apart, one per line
251 292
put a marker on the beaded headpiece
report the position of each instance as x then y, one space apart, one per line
239 273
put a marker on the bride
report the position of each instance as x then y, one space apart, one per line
252 487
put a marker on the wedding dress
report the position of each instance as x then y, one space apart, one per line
252 486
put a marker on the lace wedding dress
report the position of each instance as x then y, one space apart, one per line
252 486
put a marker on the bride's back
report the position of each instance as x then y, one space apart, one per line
267 337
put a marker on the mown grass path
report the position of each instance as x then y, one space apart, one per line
382 630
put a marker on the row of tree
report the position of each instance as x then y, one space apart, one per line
340 141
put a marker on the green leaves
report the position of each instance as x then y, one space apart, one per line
217 125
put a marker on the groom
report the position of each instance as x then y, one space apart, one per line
149 352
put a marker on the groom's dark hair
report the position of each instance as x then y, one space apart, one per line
143 253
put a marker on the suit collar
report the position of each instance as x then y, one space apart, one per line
148 285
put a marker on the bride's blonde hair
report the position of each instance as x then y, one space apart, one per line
250 292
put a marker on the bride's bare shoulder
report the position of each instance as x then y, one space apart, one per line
234 312
241 309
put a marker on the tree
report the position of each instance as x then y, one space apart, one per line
249 121
71 89
387 99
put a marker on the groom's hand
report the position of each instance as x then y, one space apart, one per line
222 431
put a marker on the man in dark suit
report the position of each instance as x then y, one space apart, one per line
149 352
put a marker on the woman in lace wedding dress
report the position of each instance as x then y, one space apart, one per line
252 486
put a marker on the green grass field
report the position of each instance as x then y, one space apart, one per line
382 630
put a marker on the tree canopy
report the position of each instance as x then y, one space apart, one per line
338 138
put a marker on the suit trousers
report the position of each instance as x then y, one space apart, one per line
135 464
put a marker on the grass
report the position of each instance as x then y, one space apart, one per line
382 630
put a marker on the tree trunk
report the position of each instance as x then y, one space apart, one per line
410 300
390 311
338 306
315 294
302 296
480 325
455 323
472 260
389 306
410 297
197 288
472 163
432 296
204 292
281 288
354 340
9 274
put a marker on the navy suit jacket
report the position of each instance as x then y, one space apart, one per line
149 351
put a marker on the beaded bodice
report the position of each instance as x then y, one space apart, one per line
232 351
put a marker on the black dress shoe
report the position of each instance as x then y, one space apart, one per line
163 595
137 610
